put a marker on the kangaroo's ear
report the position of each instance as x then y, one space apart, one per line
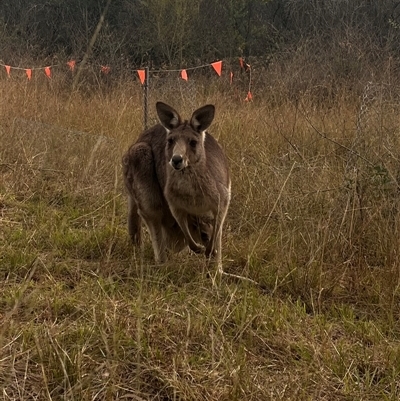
202 118
168 116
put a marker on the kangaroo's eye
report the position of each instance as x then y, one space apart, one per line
170 141
193 143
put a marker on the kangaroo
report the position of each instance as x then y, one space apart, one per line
178 183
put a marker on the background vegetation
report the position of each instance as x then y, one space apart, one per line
178 33
309 307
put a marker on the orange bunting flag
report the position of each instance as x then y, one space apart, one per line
8 68
47 71
184 75
71 64
231 80
249 97
105 69
28 73
142 76
217 67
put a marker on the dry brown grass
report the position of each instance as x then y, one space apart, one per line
313 224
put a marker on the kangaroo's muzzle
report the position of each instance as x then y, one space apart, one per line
177 162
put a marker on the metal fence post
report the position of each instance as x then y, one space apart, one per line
146 98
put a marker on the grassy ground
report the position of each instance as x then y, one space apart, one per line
310 308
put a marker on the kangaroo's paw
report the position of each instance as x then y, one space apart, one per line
196 248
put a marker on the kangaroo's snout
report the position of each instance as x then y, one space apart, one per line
177 162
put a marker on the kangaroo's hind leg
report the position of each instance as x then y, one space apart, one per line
134 222
145 196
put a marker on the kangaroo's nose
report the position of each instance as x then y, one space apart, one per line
177 161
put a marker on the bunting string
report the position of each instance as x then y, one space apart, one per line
72 64
32 68
187 69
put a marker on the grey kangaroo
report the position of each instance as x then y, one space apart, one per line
177 179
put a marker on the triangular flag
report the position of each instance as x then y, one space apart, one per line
105 69
28 73
217 67
249 97
231 77
71 64
8 68
142 76
184 75
47 71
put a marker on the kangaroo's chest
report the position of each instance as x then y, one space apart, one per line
190 192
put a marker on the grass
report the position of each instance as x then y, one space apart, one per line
310 308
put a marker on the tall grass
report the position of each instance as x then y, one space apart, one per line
309 307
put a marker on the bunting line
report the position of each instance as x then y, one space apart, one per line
180 69
24 68
104 69
72 65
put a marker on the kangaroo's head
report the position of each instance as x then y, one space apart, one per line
185 139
